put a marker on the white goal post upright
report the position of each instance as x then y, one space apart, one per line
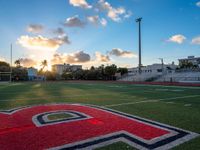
5 76
11 62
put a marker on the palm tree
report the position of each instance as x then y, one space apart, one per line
17 63
44 64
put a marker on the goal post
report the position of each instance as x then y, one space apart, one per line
5 77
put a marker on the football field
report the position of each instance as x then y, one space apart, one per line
177 106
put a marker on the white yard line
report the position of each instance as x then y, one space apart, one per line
168 86
189 96
47 97
57 96
130 103
147 101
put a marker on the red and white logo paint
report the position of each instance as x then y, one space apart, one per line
88 127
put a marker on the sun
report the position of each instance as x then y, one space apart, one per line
47 68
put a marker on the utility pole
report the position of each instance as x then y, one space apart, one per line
140 61
161 59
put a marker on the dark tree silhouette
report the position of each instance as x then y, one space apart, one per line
44 64
17 63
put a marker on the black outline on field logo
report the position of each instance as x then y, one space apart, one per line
42 118
176 137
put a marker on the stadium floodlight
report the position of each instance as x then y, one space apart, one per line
140 61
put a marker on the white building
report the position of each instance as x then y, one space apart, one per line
60 68
190 59
154 69
149 72
75 67
165 72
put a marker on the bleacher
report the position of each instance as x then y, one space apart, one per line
191 77
180 77
138 77
126 77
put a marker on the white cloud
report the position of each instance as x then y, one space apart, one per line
177 38
42 43
128 14
196 40
38 42
63 39
103 22
80 3
198 4
2 59
73 58
93 19
96 20
113 13
101 58
27 62
59 31
35 28
122 53
80 57
74 22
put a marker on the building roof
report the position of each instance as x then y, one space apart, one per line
189 58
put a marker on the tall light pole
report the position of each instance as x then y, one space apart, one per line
140 61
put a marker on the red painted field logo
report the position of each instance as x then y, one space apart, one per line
88 127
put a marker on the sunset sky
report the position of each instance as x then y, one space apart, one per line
95 32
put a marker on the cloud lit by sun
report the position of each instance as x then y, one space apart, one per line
39 42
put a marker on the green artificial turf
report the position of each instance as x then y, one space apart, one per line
176 106
59 116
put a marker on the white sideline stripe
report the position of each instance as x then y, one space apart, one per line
146 101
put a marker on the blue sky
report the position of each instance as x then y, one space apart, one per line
96 32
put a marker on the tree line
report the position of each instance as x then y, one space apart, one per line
20 73
102 72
